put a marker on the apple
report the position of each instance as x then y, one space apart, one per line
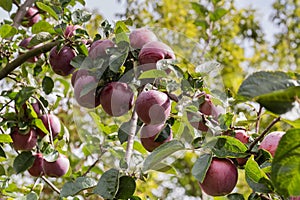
25 43
221 177
141 36
152 136
57 168
22 141
54 125
242 136
116 98
99 47
294 198
32 16
271 141
77 74
70 30
37 168
207 106
85 91
36 108
60 60
197 122
153 107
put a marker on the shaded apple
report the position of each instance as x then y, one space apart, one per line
70 30
116 98
139 37
207 106
78 73
37 168
25 43
54 125
197 121
36 108
242 136
221 177
152 136
271 141
153 107
85 91
57 168
99 47
60 60
32 16
26 141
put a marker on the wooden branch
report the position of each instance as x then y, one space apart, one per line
131 134
54 188
22 12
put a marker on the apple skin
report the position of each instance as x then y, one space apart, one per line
193 119
98 48
116 98
148 135
242 136
70 30
207 106
271 141
295 198
24 43
36 108
36 169
77 74
23 142
60 61
32 16
153 107
221 177
141 36
54 124
89 100
57 168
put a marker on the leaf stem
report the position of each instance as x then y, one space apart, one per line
53 187
257 125
131 134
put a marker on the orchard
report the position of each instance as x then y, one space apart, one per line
147 108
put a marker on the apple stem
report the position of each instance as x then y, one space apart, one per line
131 134
257 125
53 187
262 135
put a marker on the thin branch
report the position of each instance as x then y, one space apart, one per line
131 134
22 12
95 163
257 125
51 185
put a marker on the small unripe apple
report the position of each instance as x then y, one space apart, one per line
153 107
60 60
85 91
150 138
116 98
57 168
197 121
54 125
77 74
99 47
221 177
271 141
32 16
70 30
25 43
141 36
37 168
24 142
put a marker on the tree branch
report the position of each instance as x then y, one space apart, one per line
22 12
24 57
257 125
51 185
131 134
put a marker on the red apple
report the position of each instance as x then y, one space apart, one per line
37 168
85 91
221 177
139 37
70 30
77 74
271 141
116 98
242 136
99 47
153 107
24 142
295 198
60 60
25 43
152 136
36 108
54 125
207 106
32 16
197 122
57 168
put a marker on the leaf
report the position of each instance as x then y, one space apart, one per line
217 14
123 132
154 73
47 84
162 167
5 138
71 188
23 161
39 124
39 38
285 172
127 187
117 60
201 166
161 153
108 184
42 26
256 178
23 95
235 196
2 152
6 5
199 9
47 9
90 87
7 31
30 196
80 16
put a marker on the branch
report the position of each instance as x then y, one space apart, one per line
22 12
131 134
51 185
258 120
24 57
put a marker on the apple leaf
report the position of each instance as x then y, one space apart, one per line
154 73
162 167
6 5
2 152
47 84
201 166
39 124
47 9
286 164
30 196
40 38
127 187
217 14
71 188
42 26
5 138
235 196
7 31
23 161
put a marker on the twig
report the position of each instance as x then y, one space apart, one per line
91 167
51 185
257 125
22 12
131 134
262 135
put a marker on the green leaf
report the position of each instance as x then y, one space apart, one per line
256 178
88 88
7 31
23 95
5 138
217 14
127 187
227 146
123 132
225 120
39 124
199 9
108 184
71 188
23 161
42 26
80 16
201 166
162 167
30 196
2 152
117 60
6 5
286 164
39 38
235 196
154 73
47 84
161 153
47 9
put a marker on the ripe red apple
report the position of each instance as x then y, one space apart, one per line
54 125
32 16
197 121
25 43
24 142
70 30
60 60
153 107
37 168
85 91
242 136
99 47
36 108
271 141
77 74
139 37
221 177
116 98
207 106
150 138
57 168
